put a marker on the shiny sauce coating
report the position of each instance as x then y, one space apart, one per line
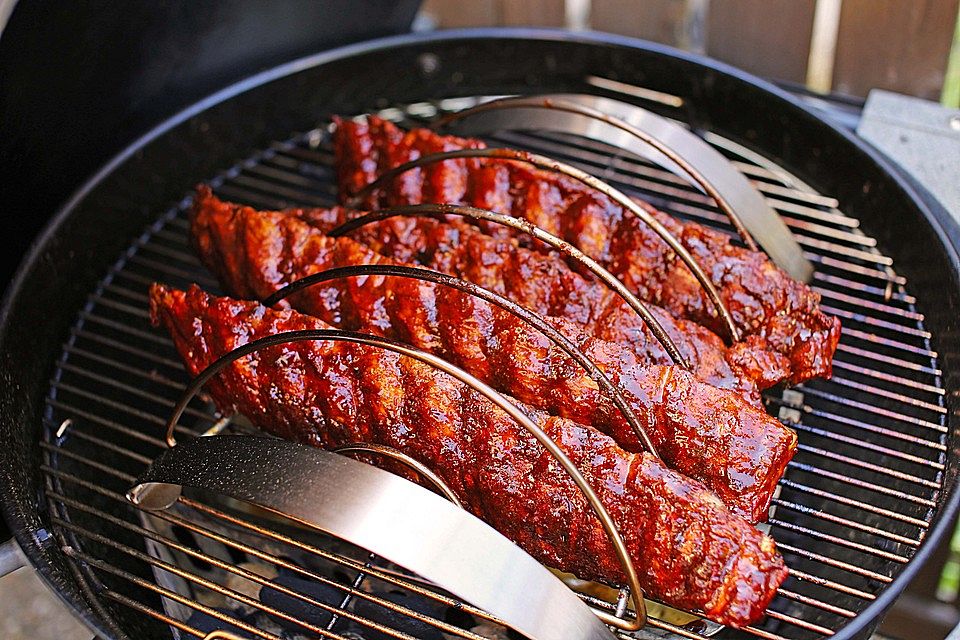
689 550
710 434
771 310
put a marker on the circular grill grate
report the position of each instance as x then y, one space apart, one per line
852 509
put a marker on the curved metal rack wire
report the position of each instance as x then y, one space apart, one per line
555 104
368 448
853 508
564 247
543 162
486 295
511 409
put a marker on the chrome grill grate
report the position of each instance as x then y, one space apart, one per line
851 511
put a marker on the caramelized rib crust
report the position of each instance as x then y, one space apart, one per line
707 433
543 282
690 552
771 310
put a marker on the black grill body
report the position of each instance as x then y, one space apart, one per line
82 81
64 272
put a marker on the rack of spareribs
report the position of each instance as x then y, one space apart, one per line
682 453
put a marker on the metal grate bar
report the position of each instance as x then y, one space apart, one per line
760 633
187 259
164 268
818 202
846 252
836 586
113 348
896 362
172 595
109 446
110 382
866 426
878 274
859 424
922 404
119 306
871 467
880 375
153 613
854 238
845 283
860 318
863 444
123 346
119 326
138 295
811 213
879 307
853 524
123 292
171 236
114 404
880 411
110 424
803 624
183 257
291 193
786 482
813 602
887 342
120 366
250 576
840 542
833 562
53 449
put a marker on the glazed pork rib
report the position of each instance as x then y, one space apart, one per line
689 551
544 283
771 310
710 434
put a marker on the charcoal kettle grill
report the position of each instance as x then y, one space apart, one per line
871 489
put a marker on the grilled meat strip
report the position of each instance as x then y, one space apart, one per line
771 310
710 434
543 282
688 549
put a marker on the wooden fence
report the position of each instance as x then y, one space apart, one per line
849 46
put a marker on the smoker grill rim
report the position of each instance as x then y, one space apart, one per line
22 513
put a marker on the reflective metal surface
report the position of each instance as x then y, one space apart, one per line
383 513
655 138
543 162
501 401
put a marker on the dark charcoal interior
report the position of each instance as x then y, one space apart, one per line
65 274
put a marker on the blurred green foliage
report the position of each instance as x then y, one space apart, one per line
951 83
